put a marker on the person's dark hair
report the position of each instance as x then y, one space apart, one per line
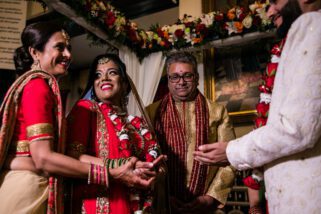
35 35
122 72
182 57
290 12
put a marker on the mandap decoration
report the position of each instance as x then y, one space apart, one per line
186 32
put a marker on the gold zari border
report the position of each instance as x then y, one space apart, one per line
39 129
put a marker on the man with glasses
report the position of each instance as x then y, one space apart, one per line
184 119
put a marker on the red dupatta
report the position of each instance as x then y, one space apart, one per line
8 116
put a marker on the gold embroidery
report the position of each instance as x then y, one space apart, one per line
102 133
102 205
21 146
40 128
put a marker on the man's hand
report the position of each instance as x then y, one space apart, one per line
131 176
214 153
201 204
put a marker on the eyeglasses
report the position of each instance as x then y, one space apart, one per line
187 77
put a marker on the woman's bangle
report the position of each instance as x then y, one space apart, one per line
115 163
98 175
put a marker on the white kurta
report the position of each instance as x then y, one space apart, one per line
289 146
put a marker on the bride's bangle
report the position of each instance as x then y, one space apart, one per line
98 175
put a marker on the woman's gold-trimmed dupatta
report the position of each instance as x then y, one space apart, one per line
8 116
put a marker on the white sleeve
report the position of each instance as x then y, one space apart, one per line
297 123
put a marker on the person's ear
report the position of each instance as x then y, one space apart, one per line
34 53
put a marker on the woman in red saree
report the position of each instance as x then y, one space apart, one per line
32 124
100 126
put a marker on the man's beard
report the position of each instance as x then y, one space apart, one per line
290 12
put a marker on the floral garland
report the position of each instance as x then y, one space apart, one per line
187 32
253 181
146 145
266 87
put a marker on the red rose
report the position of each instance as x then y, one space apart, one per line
242 16
160 33
200 28
132 34
167 43
188 24
264 89
251 183
259 122
276 50
219 17
149 158
262 109
269 82
179 33
136 122
110 19
271 69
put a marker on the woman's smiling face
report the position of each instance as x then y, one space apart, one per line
108 83
56 56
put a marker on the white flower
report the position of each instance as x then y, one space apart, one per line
130 118
173 28
257 175
153 153
230 27
275 59
165 28
265 98
247 21
207 19
113 116
150 35
143 131
123 137
263 15
238 12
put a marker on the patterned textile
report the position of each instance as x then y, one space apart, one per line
8 117
289 145
92 132
170 129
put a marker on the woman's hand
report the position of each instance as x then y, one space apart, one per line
151 169
127 174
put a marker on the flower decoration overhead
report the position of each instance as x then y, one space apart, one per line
187 32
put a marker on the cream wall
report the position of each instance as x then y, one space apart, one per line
162 18
35 9
190 7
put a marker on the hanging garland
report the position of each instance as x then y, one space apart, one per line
186 32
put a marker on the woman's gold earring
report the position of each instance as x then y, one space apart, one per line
36 65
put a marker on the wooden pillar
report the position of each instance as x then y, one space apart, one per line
208 57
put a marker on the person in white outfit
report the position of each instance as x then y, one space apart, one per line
289 146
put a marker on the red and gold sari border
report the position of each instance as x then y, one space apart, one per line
21 148
38 138
39 129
